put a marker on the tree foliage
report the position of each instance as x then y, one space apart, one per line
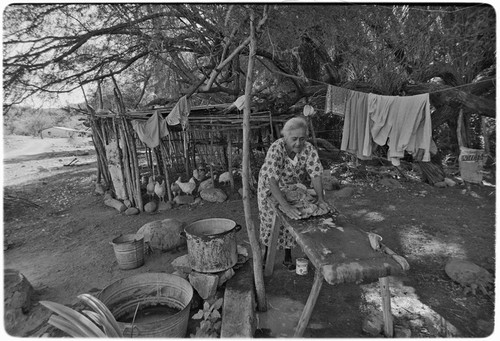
166 50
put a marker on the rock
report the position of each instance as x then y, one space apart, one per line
150 207
449 182
182 264
18 294
209 183
181 274
402 332
390 183
131 211
440 184
213 195
164 234
373 324
184 199
224 276
127 203
205 284
99 189
165 205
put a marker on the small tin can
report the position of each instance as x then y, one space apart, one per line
301 266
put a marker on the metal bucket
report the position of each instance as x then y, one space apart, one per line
129 251
128 295
212 244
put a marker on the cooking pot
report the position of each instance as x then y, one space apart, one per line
212 244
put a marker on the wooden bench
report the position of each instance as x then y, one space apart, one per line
340 253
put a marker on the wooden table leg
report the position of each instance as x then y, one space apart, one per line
386 306
311 302
271 249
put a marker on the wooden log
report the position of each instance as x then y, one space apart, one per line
116 204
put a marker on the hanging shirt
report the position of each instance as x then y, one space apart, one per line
356 137
404 123
151 131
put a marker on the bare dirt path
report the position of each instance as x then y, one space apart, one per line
62 246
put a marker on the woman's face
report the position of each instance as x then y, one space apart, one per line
295 140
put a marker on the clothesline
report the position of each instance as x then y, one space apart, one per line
320 82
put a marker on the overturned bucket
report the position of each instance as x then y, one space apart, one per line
129 251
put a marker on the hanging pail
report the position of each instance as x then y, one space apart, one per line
212 244
129 251
150 305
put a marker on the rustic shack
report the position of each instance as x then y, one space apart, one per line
204 136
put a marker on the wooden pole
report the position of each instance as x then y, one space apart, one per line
252 233
230 159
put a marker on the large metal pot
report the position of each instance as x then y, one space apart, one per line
212 245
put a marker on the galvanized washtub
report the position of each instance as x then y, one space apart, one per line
166 298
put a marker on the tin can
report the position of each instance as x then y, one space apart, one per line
301 266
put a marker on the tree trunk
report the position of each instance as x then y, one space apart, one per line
252 233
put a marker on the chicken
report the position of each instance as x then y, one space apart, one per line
186 187
224 178
175 189
160 190
199 174
150 188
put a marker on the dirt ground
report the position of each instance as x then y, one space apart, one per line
57 233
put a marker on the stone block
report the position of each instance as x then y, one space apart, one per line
182 264
204 284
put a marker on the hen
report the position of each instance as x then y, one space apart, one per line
186 187
174 187
150 188
160 190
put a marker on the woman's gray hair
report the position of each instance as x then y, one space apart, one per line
293 124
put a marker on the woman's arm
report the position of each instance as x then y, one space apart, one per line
290 210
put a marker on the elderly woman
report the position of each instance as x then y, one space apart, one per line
288 161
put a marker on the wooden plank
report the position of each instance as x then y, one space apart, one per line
271 250
386 306
311 302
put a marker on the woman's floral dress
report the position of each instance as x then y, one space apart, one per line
279 166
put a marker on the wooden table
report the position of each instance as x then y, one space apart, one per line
340 253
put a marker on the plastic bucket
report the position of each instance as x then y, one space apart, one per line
129 251
129 296
212 244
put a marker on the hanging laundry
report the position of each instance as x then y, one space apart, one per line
403 123
336 98
180 113
151 131
356 137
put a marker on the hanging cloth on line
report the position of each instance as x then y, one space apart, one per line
151 131
404 123
180 113
356 137
336 98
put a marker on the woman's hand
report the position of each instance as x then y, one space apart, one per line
291 211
